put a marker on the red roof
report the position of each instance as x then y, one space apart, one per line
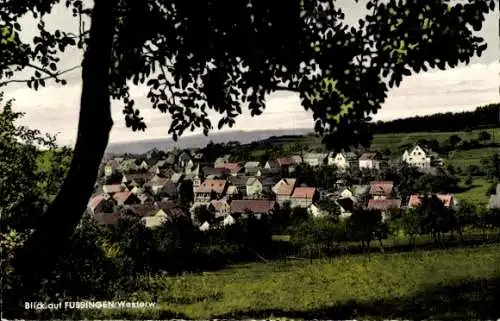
254 206
304 192
381 188
95 201
209 185
121 197
285 186
286 161
232 167
447 200
384 204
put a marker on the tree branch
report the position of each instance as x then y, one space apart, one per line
50 75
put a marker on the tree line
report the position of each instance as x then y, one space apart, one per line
482 117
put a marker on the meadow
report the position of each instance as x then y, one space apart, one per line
440 284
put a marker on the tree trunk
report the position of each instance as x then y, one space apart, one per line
37 258
381 244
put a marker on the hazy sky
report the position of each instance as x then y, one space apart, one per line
54 109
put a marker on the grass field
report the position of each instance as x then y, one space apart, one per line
477 194
441 284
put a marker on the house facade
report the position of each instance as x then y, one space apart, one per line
304 197
370 161
417 157
253 188
283 190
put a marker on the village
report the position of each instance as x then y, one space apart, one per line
157 188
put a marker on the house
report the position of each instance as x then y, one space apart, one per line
161 185
346 192
251 165
176 178
192 169
494 201
315 159
253 188
146 164
216 172
145 198
205 227
421 157
165 212
284 189
220 208
384 206
137 190
271 167
126 198
204 193
253 171
287 163
183 159
257 207
343 160
447 199
97 204
129 165
136 179
297 158
228 220
113 188
239 181
111 167
370 161
304 197
381 189
346 206
233 191
221 161
233 168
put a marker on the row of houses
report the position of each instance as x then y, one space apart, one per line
231 189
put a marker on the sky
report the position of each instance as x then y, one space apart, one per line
54 109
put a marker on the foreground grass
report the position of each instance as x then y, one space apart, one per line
443 284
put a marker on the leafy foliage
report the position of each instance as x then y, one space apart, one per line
226 55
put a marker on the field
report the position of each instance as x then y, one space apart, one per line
440 284
477 193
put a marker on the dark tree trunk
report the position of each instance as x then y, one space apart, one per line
38 257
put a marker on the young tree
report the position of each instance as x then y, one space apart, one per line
364 225
484 136
465 215
206 62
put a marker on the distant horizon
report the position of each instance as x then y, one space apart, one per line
299 129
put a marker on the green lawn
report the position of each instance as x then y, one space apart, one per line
477 194
442 284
